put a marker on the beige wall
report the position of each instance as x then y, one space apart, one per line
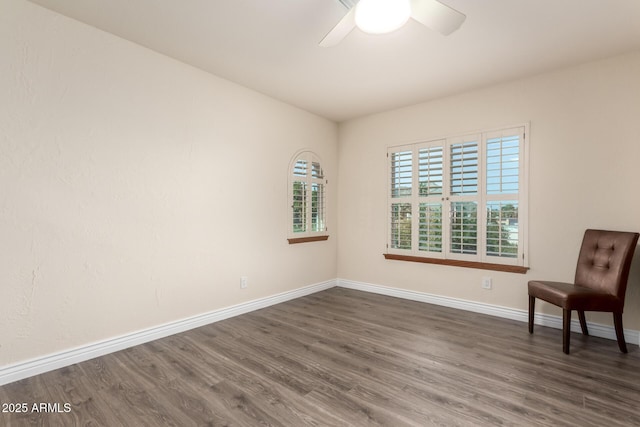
584 154
136 190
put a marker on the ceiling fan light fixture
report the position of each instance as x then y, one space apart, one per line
382 16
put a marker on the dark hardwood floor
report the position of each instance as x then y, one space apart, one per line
345 358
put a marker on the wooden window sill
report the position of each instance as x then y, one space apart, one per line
458 263
307 239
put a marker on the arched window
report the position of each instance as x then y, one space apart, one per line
307 199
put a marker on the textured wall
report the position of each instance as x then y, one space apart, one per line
136 190
584 154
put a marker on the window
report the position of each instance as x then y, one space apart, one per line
307 199
460 200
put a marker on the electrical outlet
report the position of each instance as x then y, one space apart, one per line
244 282
486 283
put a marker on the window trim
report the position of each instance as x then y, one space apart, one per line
308 235
481 260
295 240
459 263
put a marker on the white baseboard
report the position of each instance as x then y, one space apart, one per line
59 360
595 329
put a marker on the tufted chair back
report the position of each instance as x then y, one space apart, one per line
604 261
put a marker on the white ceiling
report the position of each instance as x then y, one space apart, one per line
272 45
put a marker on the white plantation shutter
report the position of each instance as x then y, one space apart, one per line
401 233
504 152
464 173
464 162
463 228
430 230
307 196
401 174
300 168
459 198
318 198
430 169
401 192
299 196
502 229
502 159
430 191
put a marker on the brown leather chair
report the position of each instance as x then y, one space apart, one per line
600 283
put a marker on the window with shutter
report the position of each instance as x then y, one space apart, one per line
401 189
430 178
461 199
503 163
307 199
464 170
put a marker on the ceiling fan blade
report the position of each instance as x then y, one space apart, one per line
341 30
437 16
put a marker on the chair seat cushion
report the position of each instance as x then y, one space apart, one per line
574 297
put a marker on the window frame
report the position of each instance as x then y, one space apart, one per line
482 258
308 234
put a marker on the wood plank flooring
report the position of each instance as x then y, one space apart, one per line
345 358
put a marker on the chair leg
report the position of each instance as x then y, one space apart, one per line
583 322
532 309
566 330
617 321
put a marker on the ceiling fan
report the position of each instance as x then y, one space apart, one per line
385 16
